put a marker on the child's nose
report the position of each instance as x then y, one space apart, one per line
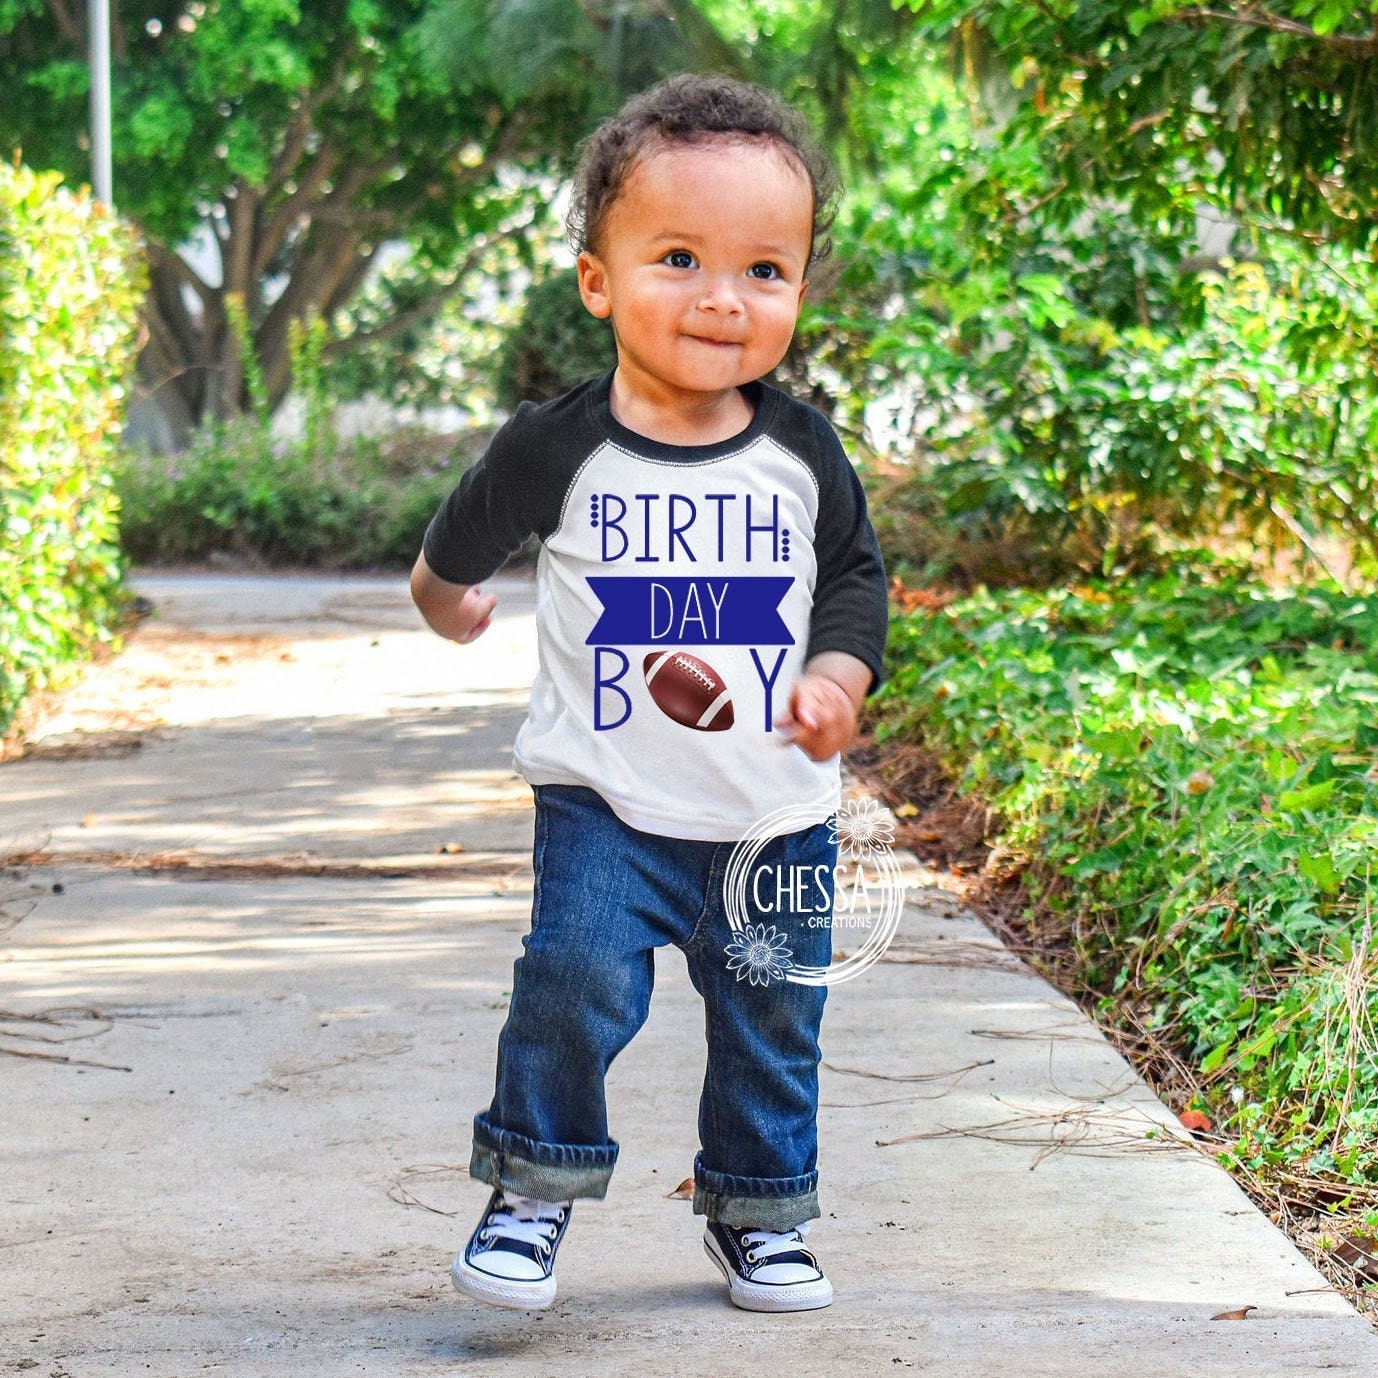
720 295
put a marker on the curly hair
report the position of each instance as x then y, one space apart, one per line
690 109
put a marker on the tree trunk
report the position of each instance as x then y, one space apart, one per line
190 368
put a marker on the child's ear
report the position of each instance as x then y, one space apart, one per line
593 285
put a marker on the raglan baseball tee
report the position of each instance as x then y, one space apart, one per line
680 592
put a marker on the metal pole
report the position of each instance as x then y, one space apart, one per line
99 16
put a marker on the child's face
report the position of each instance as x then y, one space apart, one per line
700 264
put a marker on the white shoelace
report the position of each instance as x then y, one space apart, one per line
526 1219
762 1244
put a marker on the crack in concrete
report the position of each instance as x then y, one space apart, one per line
502 865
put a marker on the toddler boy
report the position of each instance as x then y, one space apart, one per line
711 611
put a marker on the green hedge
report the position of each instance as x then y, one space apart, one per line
69 292
237 492
1190 772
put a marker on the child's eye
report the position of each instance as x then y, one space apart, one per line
764 271
680 258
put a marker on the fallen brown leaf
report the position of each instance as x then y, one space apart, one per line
1195 1120
913 600
683 1192
1238 1314
1360 1252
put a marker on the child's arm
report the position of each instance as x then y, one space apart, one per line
458 612
823 705
849 618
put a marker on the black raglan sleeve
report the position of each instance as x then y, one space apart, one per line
492 510
850 597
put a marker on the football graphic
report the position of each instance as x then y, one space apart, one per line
688 690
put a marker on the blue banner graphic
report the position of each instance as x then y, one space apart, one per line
736 610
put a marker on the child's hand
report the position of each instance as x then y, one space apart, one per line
458 612
821 718
472 615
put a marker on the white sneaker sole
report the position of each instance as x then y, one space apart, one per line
765 1296
509 1292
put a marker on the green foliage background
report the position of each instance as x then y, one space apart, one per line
555 344
69 292
1076 388
319 502
303 136
1067 398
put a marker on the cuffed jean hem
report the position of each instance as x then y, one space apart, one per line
548 1172
763 1203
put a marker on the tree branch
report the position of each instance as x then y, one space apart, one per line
119 41
239 275
164 363
337 207
303 122
284 215
67 23
350 283
313 282
420 314
168 317
1295 527
294 142
176 353
1017 212
1146 122
164 260
704 39
1360 45
429 308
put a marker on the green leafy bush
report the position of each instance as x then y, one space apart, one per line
1101 449
1073 392
322 502
69 293
1190 774
554 345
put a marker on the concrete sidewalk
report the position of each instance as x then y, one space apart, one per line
277 874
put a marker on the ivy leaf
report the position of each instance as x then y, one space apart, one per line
1298 801
1321 869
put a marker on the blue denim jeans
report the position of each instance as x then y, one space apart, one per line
605 897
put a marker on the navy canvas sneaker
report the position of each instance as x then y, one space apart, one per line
510 1259
768 1270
